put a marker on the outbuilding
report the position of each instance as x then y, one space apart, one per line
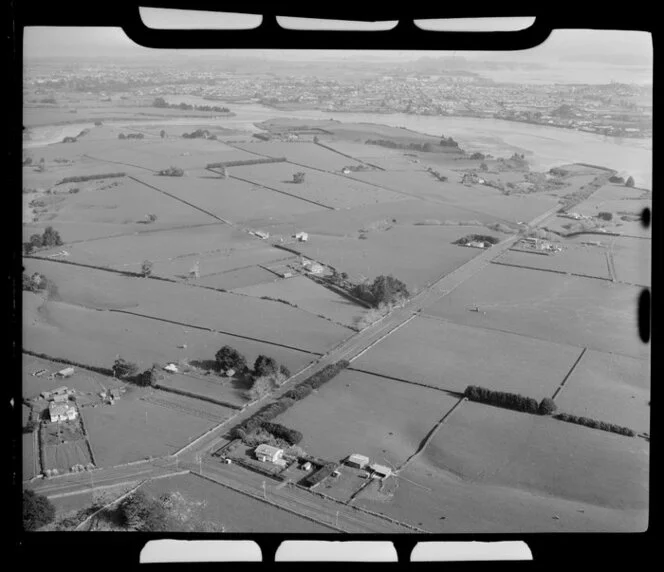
380 471
61 412
357 461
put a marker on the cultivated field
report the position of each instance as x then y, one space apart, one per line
231 279
65 455
451 356
187 405
232 510
134 429
575 259
29 455
359 413
597 314
611 388
309 296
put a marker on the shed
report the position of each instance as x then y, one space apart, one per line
306 466
357 461
66 372
268 453
115 393
302 236
60 398
380 471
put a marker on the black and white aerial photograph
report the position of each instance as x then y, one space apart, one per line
319 291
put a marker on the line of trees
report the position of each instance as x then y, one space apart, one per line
595 424
502 399
82 178
161 103
171 172
131 136
244 162
257 421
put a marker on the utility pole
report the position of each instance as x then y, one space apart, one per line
264 491
337 520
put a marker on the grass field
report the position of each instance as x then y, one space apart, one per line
240 278
575 258
309 296
82 380
142 429
232 510
29 454
597 314
188 405
65 455
632 259
308 154
483 444
451 356
330 190
611 388
213 387
369 415
416 255
95 338
234 200
443 503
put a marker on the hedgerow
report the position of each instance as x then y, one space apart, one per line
81 178
502 399
595 424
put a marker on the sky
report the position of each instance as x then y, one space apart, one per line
583 49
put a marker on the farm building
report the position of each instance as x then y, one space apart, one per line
60 398
476 244
357 461
312 266
61 412
261 234
302 236
66 372
268 454
380 471
115 393
306 466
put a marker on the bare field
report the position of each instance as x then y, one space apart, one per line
143 429
611 388
597 314
329 190
232 510
575 258
451 356
309 296
360 413
96 338
484 444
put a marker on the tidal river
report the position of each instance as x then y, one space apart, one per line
544 146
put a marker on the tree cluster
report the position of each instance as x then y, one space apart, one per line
605 215
448 142
229 358
37 510
298 177
171 172
123 369
629 182
131 136
595 424
383 290
616 179
48 239
38 283
143 513
477 238
478 156
199 134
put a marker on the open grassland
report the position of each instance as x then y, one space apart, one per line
444 503
452 357
417 255
96 338
483 444
632 259
233 511
309 296
308 154
477 199
134 429
234 200
333 191
611 388
575 259
377 217
221 390
188 405
359 413
596 314
84 381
